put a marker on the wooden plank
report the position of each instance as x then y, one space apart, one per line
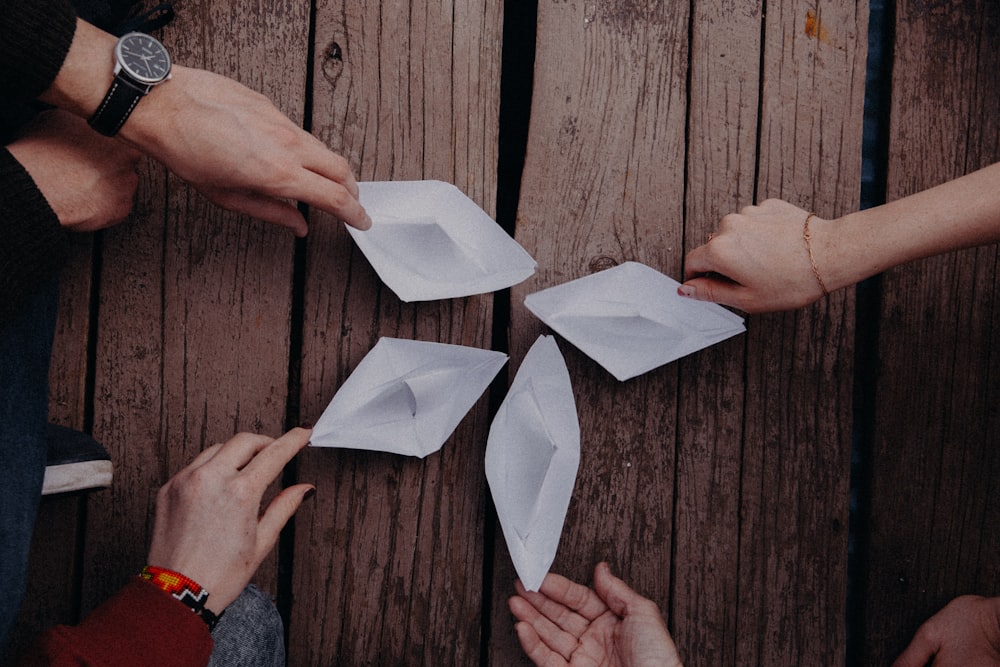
388 555
936 456
195 305
722 154
797 439
603 183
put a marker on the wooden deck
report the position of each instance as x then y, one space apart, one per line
720 485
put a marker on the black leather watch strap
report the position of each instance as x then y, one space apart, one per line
116 106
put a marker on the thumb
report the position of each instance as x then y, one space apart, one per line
712 289
920 650
616 593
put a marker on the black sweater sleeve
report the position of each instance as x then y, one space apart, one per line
33 246
34 40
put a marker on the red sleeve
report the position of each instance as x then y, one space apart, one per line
141 625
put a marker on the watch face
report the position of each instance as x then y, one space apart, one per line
143 57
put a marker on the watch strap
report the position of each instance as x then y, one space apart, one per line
117 105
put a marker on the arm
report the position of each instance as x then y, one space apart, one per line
758 261
565 623
57 175
227 141
208 527
965 632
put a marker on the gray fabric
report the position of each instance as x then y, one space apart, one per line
250 633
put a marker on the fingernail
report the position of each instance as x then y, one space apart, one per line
686 290
306 424
309 494
368 220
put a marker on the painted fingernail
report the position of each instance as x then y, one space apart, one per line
686 290
309 494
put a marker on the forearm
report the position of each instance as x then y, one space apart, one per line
962 213
86 72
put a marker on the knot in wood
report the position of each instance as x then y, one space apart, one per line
602 262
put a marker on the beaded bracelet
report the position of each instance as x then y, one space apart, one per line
184 590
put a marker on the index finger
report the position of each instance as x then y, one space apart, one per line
698 262
270 460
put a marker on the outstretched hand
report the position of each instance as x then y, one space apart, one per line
965 632
566 623
208 521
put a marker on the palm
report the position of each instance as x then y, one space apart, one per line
566 624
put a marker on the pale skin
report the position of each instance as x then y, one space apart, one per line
229 142
965 632
757 260
209 525
568 624
88 180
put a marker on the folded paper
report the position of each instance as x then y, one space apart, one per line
429 241
630 320
532 455
406 397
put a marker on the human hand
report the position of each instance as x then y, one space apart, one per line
208 523
88 179
965 632
235 147
565 623
758 260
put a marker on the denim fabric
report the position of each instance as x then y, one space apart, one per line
25 348
250 633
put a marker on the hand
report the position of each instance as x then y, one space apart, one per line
236 148
758 261
965 632
208 524
89 180
565 623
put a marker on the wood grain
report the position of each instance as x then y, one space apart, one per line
389 555
933 533
725 83
799 369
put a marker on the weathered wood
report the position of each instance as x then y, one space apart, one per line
936 457
799 369
721 160
194 324
603 183
388 555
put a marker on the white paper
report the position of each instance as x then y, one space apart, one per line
630 319
406 397
532 456
429 241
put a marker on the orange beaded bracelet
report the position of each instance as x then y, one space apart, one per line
184 590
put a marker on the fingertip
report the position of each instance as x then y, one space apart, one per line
688 291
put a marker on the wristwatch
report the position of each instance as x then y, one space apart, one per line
141 62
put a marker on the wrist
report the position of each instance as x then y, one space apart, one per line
184 590
86 73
